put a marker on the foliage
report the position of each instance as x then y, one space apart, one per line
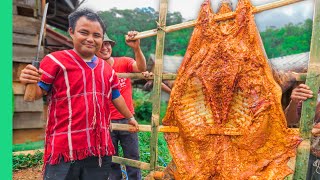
164 156
119 22
25 161
290 39
143 106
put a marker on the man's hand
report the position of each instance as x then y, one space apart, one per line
133 122
30 75
134 44
301 93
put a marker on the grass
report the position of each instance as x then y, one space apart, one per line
164 156
28 146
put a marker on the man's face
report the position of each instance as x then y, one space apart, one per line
105 51
87 37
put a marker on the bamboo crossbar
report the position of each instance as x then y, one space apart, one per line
131 162
165 76
174 129
134 163
143 128
225 16
172 76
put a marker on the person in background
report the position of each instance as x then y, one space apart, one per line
166 85
80 87
128 141
293 113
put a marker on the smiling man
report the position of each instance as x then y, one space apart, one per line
80 87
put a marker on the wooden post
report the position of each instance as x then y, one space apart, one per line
157 84
221 17
309 106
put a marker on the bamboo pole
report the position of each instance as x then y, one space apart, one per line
157 85
309 106
225 16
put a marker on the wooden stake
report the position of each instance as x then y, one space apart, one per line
226 16
309 106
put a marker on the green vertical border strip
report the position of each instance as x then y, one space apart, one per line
6 90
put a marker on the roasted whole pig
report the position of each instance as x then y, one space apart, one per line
226 104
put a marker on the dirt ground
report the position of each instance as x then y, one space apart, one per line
33 173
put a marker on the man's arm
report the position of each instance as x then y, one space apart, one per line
121 106
300 93
165 88
140 64
31 75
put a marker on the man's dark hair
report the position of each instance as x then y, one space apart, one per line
89 14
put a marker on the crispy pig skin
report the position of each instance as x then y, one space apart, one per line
227 106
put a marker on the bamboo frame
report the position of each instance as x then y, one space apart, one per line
226 16
309 106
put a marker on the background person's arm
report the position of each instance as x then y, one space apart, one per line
140 64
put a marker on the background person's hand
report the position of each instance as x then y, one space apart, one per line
147 74
316 130
301 93
134 44
134 123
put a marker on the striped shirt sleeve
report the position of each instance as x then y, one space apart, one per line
50 69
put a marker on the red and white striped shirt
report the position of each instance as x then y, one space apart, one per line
78 113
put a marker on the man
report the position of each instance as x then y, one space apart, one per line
80 87
128 141
293 112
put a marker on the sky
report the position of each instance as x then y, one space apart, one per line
189 9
